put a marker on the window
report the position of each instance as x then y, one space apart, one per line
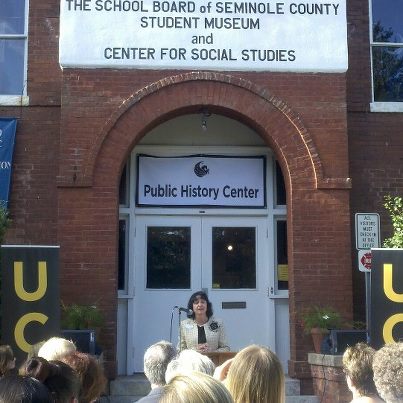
387 50
13 47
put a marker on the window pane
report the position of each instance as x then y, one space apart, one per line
388 74
123 192
12 66
122 257
280 187
12 16
387 20
168 257
234 257
282 258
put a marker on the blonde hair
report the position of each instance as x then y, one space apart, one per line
55 348
357 365
255 376
196 387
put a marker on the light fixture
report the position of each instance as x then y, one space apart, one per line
205 115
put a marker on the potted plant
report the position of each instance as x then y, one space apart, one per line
81 324
317 321
80 317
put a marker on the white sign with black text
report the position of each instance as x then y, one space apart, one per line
367 230
202 181
217 35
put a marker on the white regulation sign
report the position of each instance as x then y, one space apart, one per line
367 230
295 36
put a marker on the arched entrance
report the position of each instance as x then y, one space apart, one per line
90 174
238 255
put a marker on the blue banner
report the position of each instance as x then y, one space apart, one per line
7 137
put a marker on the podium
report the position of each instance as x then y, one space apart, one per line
218 357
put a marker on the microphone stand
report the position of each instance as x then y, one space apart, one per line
179 324
180 330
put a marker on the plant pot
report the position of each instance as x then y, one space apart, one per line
318 335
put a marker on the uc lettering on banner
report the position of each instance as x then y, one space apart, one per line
30 285
386 310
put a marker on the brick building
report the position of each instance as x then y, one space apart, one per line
331 143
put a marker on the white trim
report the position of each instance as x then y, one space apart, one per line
30 246
386 106
15 100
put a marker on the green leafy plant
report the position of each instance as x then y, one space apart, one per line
5 222
79 317
394 205
321 317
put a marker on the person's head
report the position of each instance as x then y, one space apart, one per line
23 389
357 365
156 360
7 359
200 297
189 361
34 350
90 372
256 375
58 377
195 387
55 348
388 372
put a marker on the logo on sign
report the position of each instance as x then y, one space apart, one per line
201 170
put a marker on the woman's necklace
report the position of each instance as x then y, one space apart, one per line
201 322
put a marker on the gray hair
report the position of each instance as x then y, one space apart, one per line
388 372
156 360
187 362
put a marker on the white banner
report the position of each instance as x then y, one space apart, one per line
201 181
218 35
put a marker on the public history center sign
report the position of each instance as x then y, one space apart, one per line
294 36
201 181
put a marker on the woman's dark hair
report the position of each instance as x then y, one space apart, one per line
202 295
23 389
58 377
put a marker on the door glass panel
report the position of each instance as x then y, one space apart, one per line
282 258
234 257
168 257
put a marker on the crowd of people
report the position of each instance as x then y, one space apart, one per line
54 372
374 376
255 375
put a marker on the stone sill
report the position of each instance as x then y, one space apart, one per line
328 360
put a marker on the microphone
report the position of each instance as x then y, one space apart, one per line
188 311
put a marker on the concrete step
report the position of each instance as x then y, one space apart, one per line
129 389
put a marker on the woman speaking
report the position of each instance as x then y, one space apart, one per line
201 331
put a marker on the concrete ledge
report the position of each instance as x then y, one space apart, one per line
325 359
329 381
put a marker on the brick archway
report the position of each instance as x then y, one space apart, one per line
280 126
90 174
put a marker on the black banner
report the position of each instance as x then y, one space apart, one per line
386 312
30 299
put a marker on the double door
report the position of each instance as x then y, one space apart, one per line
227 257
